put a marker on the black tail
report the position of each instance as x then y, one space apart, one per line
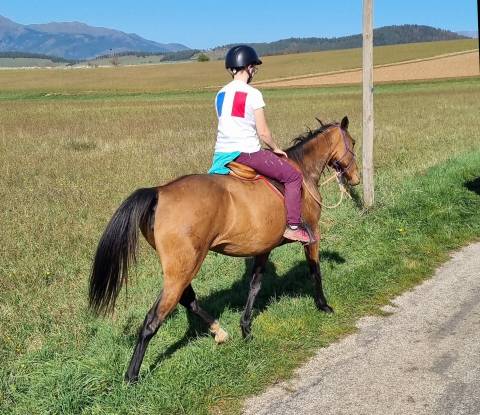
117 248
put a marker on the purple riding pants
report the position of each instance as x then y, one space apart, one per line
269 164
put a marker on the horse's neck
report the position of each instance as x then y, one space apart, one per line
317 155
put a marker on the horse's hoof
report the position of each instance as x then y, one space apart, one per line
247 333
130 380
220 335
325 308
247 337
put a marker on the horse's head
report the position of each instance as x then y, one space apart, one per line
343 157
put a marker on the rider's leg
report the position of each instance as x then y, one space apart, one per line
269 164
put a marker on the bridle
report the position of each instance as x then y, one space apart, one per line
339 174
336 164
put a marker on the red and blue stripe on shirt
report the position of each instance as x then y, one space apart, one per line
238 106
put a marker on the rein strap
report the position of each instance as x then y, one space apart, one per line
316 195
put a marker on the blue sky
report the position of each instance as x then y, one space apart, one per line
209 23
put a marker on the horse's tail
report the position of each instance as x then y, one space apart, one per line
118 247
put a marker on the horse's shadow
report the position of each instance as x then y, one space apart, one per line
296 282
473 185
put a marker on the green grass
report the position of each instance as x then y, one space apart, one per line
66 162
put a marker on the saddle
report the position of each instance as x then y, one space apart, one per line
243 172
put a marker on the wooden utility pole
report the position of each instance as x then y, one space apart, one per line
367 150
478 32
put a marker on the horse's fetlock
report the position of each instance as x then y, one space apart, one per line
194 307
150 328
244 323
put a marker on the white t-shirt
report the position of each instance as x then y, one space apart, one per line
235 104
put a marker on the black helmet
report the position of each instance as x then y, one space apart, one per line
241 56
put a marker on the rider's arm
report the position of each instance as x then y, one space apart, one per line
264 132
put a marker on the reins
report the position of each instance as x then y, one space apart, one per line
343 190
333 176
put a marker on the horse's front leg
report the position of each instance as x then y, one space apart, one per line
311 252
255 285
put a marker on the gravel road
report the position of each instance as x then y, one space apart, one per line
422 359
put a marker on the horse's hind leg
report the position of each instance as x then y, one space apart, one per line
189 301
255 285
180 263
165 303
311 252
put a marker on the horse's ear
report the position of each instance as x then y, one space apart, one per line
320 121
344 123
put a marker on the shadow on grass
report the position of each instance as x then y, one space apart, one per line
296 282
195 329
473 185
357 199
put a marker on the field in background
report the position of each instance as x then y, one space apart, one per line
26 62
125 60
66 163
198 75
460 64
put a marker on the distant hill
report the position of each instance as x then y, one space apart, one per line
469 33
74 40
17 55
37 60
387 35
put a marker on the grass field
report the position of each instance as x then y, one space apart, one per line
199 75
28 62
126 60
66 163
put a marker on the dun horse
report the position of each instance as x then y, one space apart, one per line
193 214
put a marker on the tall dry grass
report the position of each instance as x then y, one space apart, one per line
198 75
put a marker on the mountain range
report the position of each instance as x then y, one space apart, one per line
77 41
386 35
74 40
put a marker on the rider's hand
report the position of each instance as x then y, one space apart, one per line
280 152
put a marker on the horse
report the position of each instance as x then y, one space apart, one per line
193 214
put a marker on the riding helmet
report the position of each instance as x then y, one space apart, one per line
241 56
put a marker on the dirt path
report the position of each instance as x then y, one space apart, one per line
450 66
423 359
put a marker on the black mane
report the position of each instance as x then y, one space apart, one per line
295 151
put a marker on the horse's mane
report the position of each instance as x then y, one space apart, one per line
295 151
